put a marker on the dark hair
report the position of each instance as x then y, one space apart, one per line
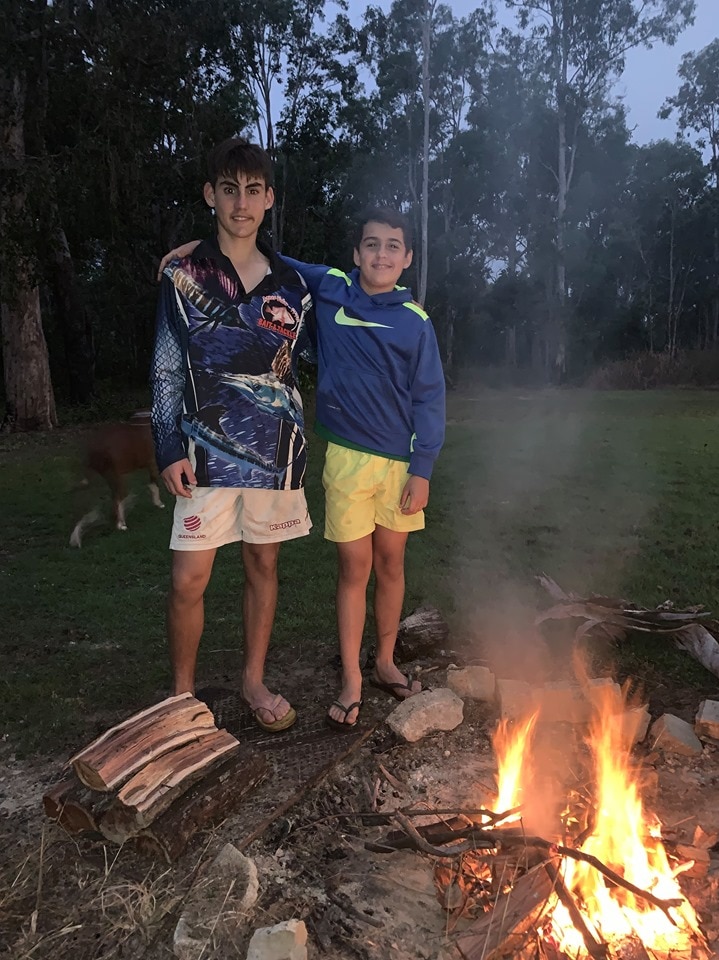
239 156
393 218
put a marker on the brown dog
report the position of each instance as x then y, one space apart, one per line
112 452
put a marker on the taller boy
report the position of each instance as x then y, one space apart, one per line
227 417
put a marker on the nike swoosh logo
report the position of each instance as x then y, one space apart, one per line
344 321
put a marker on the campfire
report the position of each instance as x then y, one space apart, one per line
598 881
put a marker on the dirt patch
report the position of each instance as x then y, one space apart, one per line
85 900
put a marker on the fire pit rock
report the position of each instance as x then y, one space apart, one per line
472 683
707 724
673 735
426 712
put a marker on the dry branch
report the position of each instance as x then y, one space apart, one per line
690 629
595 949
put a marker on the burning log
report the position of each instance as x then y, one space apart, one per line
126 748
504 931
595 949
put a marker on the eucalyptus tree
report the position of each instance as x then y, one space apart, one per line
127 98
696 104
661 227
29 395
288 55
400 52
582 47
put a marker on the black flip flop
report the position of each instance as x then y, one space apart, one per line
340 724
393 688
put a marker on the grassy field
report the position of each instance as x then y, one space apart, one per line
605 492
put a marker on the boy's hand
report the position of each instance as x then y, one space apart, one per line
173 478
415 496
177 254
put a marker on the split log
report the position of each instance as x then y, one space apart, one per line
205 804
421 634
122 751
504 931
151 791
74 807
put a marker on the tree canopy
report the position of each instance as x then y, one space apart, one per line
547 240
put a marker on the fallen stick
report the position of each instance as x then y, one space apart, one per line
595 948
553 848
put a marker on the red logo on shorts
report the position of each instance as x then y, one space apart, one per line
192 523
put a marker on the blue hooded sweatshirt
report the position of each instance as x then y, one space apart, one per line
380 380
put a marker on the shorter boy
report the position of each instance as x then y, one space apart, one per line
381 407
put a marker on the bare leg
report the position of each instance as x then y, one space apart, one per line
354 566
191 571
258 612
388 548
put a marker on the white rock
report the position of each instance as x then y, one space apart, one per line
472 683
426 712
707 722
284 941
674 735
218 902
516 699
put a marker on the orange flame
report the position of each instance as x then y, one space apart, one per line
512 745
625 838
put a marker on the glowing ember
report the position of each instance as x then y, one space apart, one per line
624 837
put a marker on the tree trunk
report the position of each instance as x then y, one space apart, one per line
426 43
30 402
72 317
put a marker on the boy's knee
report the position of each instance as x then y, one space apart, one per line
389 567
188 580
260 559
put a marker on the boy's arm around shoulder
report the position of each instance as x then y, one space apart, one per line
311 273
428 404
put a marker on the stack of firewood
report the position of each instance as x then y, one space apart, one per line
155 778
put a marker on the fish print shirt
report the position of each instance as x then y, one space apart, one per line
224 372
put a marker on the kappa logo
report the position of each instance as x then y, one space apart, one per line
285 525
192 523
344 321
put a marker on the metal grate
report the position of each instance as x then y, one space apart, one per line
298 757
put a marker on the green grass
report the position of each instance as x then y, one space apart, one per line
605 492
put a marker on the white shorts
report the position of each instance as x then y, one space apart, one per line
214 516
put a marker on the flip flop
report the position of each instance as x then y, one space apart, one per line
276 726
340 724
394 688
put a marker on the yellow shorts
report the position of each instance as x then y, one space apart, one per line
361 491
